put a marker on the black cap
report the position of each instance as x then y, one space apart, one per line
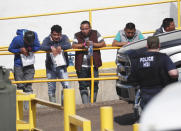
29 36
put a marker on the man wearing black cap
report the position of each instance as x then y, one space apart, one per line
152 70
23 46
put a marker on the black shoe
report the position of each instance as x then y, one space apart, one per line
20 88
27 89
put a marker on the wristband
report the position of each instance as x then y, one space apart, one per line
84 44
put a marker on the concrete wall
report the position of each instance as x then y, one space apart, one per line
107 90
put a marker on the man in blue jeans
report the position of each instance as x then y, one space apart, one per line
82 40
56 59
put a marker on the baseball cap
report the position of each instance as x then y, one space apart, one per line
29 36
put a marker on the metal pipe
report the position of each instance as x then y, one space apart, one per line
69 106
178 13
58 80
69 50
136 127
86 10
106 115
70 75
90 17
92 80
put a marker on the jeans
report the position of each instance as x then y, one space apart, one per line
22 74
147 95
60 73
85 72
179 78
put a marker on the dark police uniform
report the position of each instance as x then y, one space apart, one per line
150 71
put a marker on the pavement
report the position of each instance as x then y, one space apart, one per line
49 119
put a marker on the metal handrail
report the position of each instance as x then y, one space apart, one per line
5 48
58 80
88 10
69 50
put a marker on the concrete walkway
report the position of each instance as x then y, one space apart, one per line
52 119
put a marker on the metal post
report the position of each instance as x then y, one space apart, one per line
106 116
19 108
91 61
135 127
178 6
90 17
92 81
69 106
87 126
32 111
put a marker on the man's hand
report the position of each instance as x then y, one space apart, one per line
54 50
59 49
125 43
78 46
88 43
119 44
24 51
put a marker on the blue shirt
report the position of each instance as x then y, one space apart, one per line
18 43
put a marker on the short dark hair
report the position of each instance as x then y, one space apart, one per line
166 22
130 26
56 28
85 22
29 36
153 42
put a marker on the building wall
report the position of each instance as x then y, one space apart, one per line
107 22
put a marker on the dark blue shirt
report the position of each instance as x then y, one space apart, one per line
150 69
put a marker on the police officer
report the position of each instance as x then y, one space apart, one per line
152 70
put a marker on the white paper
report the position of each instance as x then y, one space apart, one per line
58 60
28 60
